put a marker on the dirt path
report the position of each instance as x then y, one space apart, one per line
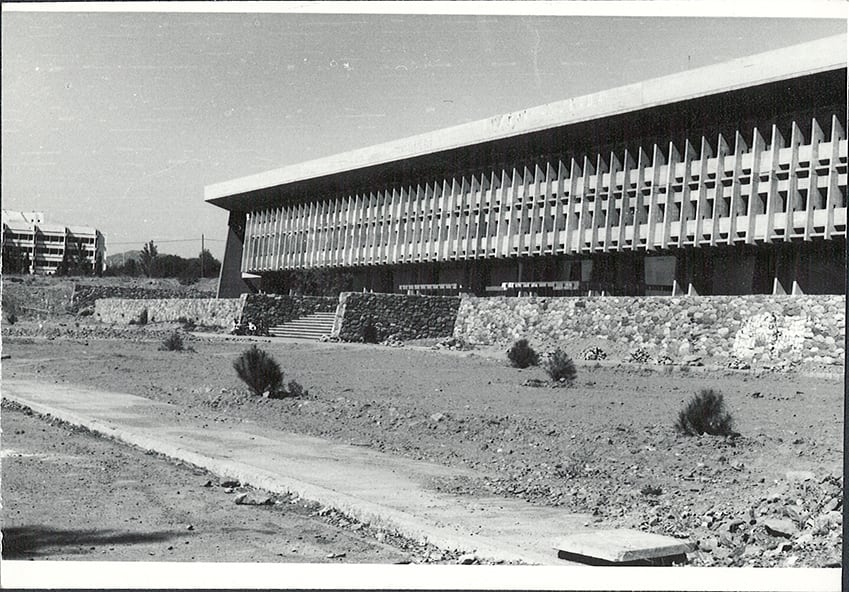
70 495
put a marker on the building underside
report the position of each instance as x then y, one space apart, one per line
740 189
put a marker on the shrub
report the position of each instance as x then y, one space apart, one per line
173 342
522 355
651 490
370 333
189 325
141 319
294 389
560 367
705 414
259 371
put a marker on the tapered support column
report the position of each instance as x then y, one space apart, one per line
230 282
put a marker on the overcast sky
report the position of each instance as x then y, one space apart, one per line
118 120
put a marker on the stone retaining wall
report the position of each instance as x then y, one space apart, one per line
395 315
85 296
761 328
209 312
268 310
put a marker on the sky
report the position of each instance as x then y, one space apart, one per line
118 120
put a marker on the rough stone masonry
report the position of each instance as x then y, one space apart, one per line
761 328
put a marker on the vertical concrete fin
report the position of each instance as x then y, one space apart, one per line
834 197
794 200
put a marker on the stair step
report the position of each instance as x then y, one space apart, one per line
311 327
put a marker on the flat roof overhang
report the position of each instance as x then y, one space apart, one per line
773 66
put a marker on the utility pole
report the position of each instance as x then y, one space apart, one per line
201 256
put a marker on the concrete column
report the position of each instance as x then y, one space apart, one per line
230 282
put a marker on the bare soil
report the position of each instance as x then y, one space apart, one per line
68 494
769 497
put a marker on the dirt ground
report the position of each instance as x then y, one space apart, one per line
70 495
770 497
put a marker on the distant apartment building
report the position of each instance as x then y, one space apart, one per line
30 245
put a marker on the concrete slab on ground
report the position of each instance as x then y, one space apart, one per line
381 489
623 545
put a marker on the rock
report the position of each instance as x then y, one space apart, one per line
795 515
335 555
735 525
806 538
780 527
255 501
708 544
467 559
229 483
794 476
832 504
239 500
190 527
828 520
437 417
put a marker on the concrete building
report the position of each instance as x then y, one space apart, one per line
30 245
728 179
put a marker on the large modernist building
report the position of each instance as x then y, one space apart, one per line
728 179
32 246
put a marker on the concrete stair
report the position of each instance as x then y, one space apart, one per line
307 327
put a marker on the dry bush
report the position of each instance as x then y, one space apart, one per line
294 389
560 367
705 414
173 342
522 355
259 371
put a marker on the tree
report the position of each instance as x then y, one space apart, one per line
148 258
15 260
209 264
74 261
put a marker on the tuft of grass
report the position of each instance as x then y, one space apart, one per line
259 371
705 414
522 355
560 367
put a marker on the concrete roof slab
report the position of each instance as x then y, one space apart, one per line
786 63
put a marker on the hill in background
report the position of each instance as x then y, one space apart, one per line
120 258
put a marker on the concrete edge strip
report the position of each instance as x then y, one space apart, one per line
403 523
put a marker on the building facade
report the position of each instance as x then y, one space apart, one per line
729 179
30 245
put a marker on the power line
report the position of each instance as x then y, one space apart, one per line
175 240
